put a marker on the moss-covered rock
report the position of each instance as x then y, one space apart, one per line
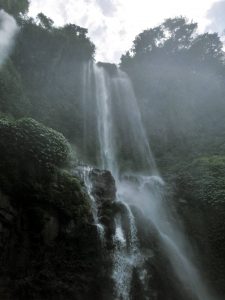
46 230
29 139
68 196
30 154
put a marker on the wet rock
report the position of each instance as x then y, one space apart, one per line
51 229
48 247
7 215
104 188
104 192
111 69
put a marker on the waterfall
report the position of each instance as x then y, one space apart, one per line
84 172
122 263
8 30
105 122
130 113
126 255
86 80
150 192
126 251
125 150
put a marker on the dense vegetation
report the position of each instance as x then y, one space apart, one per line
14 7
178 76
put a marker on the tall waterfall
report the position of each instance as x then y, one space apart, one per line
105 121
124 150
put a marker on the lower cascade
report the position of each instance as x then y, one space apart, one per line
126 255
85 174
138 188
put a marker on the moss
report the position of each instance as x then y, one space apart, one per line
31 157
200 200
40 143
68 196
33 140
12 96
208 178
29 151
51 230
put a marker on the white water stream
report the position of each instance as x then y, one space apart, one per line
119 121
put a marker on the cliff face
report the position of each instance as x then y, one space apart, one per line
50 246
46 237
45 255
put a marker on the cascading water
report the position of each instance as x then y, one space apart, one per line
119 122
105 122
85 96
149 190
124 256
133 126
84 173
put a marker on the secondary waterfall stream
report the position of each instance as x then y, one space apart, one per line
138 182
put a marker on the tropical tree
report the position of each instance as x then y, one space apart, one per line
14 7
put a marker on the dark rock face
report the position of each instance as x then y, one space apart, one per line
104 188
159 276
111 69
48 246
45 254
7 216
104 192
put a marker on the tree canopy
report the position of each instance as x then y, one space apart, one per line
14 7
178 78
175 38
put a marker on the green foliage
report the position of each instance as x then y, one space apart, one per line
46 47
28 139
200 200
14 7
51 213
209 180
50 62
44 144
68 196
45 22
31 155
174 37
178 78
12 97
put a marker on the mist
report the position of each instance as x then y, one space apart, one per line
111 175
8 31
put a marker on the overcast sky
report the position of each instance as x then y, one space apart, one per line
113 24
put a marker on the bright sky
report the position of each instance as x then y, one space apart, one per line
113 24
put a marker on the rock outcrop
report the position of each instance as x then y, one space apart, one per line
47 241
